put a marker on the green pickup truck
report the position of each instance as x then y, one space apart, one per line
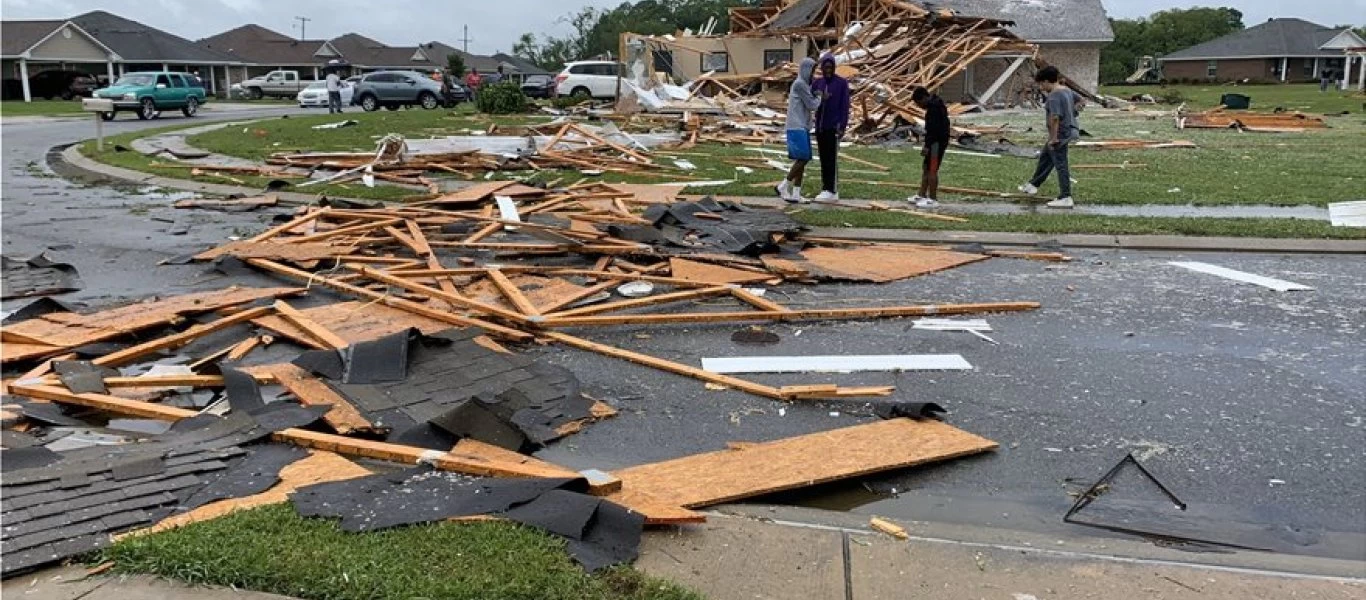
149 92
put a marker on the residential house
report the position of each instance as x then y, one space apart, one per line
100 42
263 50
1279 50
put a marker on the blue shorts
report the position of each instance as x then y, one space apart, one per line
798 144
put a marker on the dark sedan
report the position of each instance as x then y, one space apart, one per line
62 84
539 86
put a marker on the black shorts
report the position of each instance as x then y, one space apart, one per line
935 157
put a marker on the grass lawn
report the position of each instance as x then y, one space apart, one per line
273 549
1303 97
1045 223
44 108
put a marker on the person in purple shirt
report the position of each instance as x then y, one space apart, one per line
832 119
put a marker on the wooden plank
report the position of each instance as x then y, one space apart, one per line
130 354
296 223
512 293
729 475
641 302
342 231
245 347
757 301
164 381
355 322
889 528
664 365
461 301
680 268
276 250
343 417
472 447
112 404
567 300
793 315
316 331
387 300
421 247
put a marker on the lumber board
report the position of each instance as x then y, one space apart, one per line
757 301
569 299
243 348
792 315
735 474
455 299
290 226
343 417
473 447
132 353
512 293
641 302
301 252
314 330
354 322
681 268
664 365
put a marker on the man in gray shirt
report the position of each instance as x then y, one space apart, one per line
333 92
1061 113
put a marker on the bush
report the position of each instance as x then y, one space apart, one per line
1171 96
568 101
501 99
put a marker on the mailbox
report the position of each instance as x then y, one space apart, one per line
97 105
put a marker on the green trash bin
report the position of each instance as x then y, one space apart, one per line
1236 101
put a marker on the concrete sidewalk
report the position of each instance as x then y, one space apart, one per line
742 558
70 583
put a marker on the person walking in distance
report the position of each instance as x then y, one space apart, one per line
333 92
1060 111
936 144
832 119
801 103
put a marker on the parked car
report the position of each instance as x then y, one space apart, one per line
62 84
393 89
150 92
542 86
596 78
315 96
276 84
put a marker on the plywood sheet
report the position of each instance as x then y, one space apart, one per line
653 194
729 475
541 291
701 272
303 252
343 417
353 322
64 330
878 264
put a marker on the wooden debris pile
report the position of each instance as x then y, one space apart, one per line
1279 122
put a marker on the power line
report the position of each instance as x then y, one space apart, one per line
303 27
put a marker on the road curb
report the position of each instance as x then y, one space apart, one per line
1121 242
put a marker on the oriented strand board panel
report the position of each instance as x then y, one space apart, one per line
728 475
717 274
69 330
653 194
291 252
541 291
880 264
354 322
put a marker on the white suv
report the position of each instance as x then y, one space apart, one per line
596 78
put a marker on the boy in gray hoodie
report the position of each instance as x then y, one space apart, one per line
801 104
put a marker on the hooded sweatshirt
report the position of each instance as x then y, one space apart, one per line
800 101
833 114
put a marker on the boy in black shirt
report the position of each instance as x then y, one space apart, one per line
936 144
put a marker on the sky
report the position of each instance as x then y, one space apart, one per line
495 26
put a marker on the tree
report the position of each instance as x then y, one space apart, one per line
456 65
598 31
1163 33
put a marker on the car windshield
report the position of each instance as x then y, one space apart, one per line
136 79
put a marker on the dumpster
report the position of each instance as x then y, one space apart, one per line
1236 101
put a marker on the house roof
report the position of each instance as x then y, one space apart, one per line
18 36
1275 38
136 42
1040 20
522 65
256 44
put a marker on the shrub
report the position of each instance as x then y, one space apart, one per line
1170 96
501 99
568 101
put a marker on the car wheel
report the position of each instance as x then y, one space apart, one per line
369 103
255 93
108 116
67 95
427 100
191 107
147 110
582 91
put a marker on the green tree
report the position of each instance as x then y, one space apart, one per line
1162 33
456 65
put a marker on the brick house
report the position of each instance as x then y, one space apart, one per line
1279 50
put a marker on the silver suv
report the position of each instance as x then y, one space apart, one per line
392 89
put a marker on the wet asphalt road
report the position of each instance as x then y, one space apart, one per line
1248 403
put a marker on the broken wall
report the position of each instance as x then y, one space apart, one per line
746 54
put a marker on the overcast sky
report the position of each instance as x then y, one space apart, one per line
494 26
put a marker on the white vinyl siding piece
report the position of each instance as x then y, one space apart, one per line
953 324
836 364
1347 214
1267 282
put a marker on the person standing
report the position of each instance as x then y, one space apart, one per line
936 143
1060 112
334 104
832 119
801 103
473 81
1324 77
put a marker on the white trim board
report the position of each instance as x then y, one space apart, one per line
836 364
1267 282
952 324
1347 214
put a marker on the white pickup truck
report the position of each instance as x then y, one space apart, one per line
277 84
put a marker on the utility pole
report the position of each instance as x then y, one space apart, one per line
466 40
303 27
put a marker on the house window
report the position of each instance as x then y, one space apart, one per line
663 61
1309 69
773 58
716 61
1211 68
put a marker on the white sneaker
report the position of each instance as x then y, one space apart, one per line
794 195
1061 203
785 190
1028 188
827 196
923 202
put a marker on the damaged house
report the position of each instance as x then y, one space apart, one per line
1067 34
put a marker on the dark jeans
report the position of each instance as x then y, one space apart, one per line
828 145
1054 157
334 102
